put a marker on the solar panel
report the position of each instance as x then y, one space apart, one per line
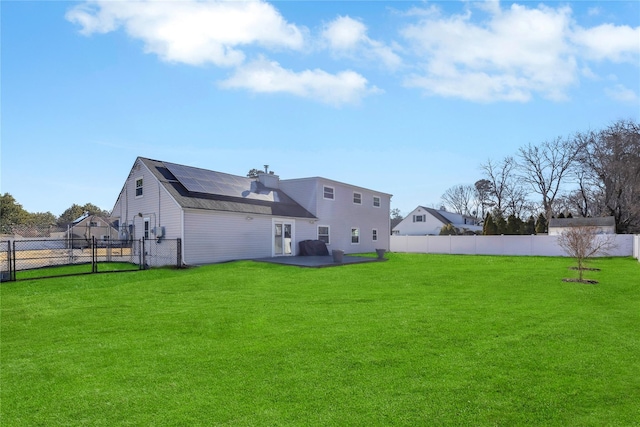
218 183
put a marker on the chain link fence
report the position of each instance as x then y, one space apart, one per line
36 258
161 253
6 273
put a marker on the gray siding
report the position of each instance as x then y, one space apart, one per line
341 214
211 236
155 204
304 191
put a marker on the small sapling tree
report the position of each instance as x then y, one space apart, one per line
584 242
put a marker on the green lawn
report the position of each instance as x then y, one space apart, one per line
66 270
417 340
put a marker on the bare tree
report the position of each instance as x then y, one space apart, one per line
517 202
501 177
544 168
611 161
396 217
459 198
584 242
582 199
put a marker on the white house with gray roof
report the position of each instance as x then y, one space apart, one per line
423 221
222 217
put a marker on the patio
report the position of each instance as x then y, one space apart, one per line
318 261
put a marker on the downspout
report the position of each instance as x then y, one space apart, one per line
182 234
158 225
159 204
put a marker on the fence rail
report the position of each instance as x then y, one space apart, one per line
534 245
38 256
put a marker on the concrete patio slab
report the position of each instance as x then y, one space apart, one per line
317 261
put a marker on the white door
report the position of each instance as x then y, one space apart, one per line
282 238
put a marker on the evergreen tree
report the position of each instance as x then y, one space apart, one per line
489 227
529 227
11 213
501 224
514 225
541 224
76 211
41 219
448 230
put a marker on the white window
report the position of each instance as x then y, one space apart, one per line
376 201
418 218
139 187
328 192
323 233
146 228
357 198
355 236
374 235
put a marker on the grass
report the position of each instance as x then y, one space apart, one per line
416 340
66 270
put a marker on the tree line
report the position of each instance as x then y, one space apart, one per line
588 174
14 218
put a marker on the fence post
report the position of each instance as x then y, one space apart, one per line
179 253
9 273
13 261
94 265
143 255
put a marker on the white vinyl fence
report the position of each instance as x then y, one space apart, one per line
543 245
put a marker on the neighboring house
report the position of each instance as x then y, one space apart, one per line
603 225
86 227
222 217
427 221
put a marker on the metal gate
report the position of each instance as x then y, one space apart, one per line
39 258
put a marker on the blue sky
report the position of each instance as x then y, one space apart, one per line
403 97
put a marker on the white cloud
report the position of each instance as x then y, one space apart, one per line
346 36
345 33
192 32
609 42
486 53
516 53
263 76
622 94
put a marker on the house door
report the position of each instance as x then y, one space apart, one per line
282 238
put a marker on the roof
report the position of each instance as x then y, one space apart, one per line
442 216
436 214
334 182
606 221
195 188
81 218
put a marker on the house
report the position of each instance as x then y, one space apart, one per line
424 221
221 217
86 227
603 225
